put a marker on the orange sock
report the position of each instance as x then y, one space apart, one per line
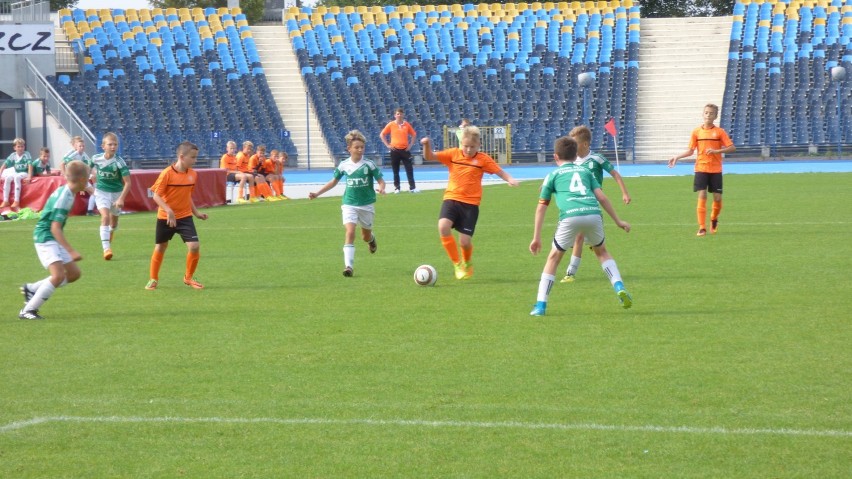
191 263
280 184
717 208
253 191
701 212
156 262
449 243
264 190
467 253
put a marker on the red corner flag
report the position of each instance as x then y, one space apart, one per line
610 127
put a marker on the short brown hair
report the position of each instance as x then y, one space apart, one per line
714 107
185 147
565 148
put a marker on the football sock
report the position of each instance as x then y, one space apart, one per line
253 191
280 187
467 253
573 265
44 291
91 203
241 192
156 262
611 270
264 190
349 255
544 286
449 243
191 262
104 230
717 208
701 212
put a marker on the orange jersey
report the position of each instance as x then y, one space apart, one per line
175 188
268 167
228 162
399 134
465 181
256 162
709 139
243 163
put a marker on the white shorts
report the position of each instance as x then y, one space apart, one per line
11 173
590 226
360 215
50 252
105 199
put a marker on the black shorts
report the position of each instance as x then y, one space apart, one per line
463 215
231 178
711 182
185 227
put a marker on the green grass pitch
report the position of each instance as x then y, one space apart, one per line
733 362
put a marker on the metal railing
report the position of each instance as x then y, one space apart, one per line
25 11
56 106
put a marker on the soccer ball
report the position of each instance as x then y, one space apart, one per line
425 275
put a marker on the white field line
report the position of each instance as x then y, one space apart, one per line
18 425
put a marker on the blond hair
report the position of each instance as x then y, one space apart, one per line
581 133
76 170
472 132
109 135
355 135
77 139
19 141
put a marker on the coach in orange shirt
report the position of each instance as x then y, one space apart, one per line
399 136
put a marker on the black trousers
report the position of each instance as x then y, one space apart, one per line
397 155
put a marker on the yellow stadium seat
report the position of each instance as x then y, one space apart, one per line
90 12
245 34
150 30
161 24
223 11
137 29
221 40
64 12
431 20
335 10
156 41
242 23
305 28
348 9
462 25
104 12
523 6
127 36
389 32
294 10
410 26
484 30
593 34
156 11
171 11
236 11
415 8
87 60
95 24
90 41
444 20
535 5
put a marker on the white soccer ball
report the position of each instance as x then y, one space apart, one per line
425 275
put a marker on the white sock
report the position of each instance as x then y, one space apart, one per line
44 291
611 271
573 265
91 202
544 286
349 255
105 237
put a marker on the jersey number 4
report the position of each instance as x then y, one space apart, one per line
577 185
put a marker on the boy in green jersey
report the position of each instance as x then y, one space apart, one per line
54 251
579 199
111 189
15 170
359 197
41 165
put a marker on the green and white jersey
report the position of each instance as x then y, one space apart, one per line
40 168
596 163
359 181
73 155
21 164
574 187
110 173
57 208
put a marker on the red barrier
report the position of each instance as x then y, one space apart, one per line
209 191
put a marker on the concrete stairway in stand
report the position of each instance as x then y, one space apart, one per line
285 81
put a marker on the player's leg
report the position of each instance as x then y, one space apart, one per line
366 215
350 222
193 253
716 188
700 185
103 201
564 236
54 258
18 177
594 233
162 235
7 184
465 224
576 256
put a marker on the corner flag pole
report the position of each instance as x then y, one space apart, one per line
610 128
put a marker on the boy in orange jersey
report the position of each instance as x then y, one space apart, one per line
711 142
229 163
173 194
279 159
243 161
256 165
460 209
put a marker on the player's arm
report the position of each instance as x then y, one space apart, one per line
728 149
331 184
625 196
59 236
119 203
673 160
381 182
428 154
195 211
29 173
170 213
540 210
383 134
507 177
607 206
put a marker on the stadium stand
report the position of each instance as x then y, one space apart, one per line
157 77
495 63
779 90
